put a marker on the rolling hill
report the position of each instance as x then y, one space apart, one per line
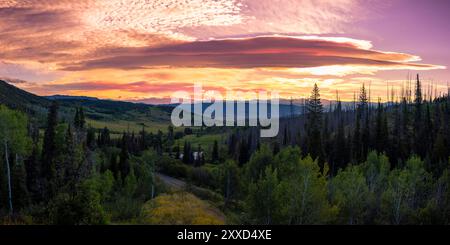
16 98
118 116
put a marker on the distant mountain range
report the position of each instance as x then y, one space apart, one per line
104 109
69 97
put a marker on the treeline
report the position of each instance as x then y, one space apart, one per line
71 174
342 136
383 164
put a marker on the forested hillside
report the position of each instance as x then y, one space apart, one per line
366 164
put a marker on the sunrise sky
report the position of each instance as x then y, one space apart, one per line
144 50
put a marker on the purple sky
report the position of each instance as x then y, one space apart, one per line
412 26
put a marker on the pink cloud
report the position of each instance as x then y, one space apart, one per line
269 51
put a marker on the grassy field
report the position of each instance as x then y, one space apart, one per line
120 126
206 141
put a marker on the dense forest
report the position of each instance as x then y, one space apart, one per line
370 163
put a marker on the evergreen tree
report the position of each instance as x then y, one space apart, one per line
143 139
243 152
356 140
49 150
104 138
395 152
82 122
79 120
76 119
170 135
90 138
381 130
187 153
124 164
314 124
114 166
21 196
418 130
232 145
361 136
70 162
363 107
177 151
33 174
215 152
405 131
339 159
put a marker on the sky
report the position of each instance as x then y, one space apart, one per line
145 50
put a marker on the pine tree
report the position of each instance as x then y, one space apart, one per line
381 130
33 174
114 166
276 148
159 142
363 108
215 152
187 153
232 145
395 149
285 136
177 151
70 165
104 138
82 122
314 124
79 120
143 139
427 132
49 150
340 159
418 130
90 138
76 119
124 164
170 135
198 161
21 196
405 131
243 152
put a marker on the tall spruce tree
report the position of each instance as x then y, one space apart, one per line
314 124
363 107
215 152
124 164
49 151
381 129
418 130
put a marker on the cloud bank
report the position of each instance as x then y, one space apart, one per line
258 52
